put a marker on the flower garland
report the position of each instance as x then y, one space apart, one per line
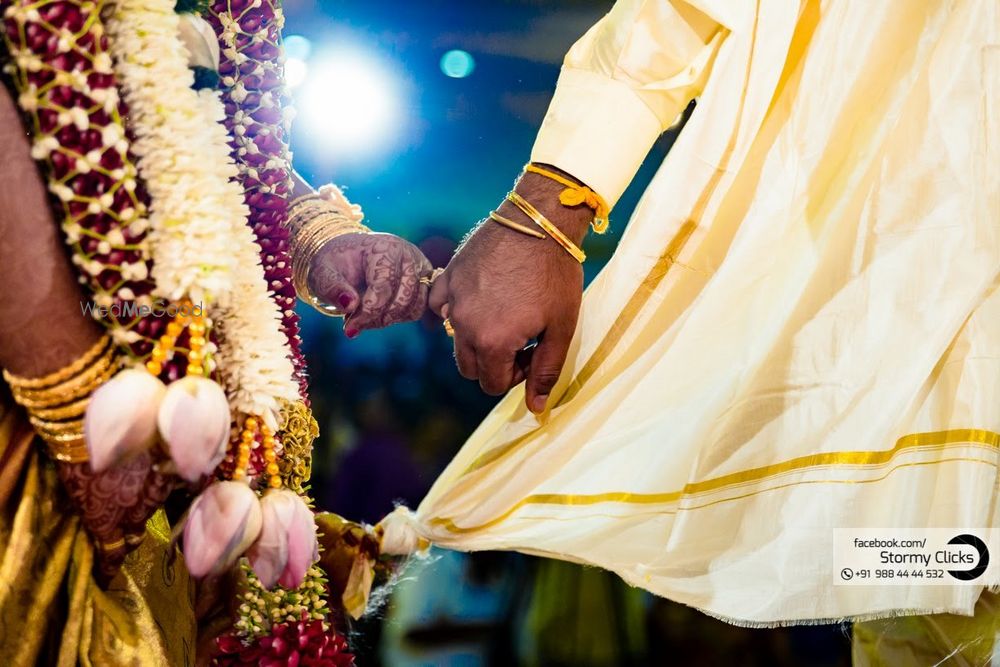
252 77
304 642
203 248
61 68
244 318
194 206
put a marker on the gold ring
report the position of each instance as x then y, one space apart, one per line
429 279
448 329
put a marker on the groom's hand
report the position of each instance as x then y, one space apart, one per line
503 289
373 279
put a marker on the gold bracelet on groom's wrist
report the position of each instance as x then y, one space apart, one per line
313 221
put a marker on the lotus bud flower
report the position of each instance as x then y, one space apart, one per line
200 41
121 417
195 425
222 522
287 545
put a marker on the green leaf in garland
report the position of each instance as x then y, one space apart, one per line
191 7
205 77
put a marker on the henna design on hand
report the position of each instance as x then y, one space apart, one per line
379 273
114 506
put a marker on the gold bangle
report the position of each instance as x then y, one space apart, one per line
70 385
64 439
314 220
62 374
44 427
516 226
75 409
328 199
307 243
114 545
57 402
547 226
54 401
73 389
68 450
576 194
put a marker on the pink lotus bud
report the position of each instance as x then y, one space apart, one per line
194 422
121 417
287 545
222 522
199 39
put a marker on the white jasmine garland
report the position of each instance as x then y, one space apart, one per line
201 245
253 355
182 153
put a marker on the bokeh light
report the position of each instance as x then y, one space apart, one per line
349 103
457 64
297 46
297 52
296 71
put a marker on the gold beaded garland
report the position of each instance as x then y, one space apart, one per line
243 450
270 458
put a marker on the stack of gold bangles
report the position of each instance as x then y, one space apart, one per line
56 403
313 220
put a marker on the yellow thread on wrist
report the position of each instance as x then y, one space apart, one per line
576 194
547 226
516 226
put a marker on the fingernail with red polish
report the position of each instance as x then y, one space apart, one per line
345 300
351 332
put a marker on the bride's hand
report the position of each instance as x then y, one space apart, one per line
115 504
373 279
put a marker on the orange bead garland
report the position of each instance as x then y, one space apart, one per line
270 458
165 347
247 437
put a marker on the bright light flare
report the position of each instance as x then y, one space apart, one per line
349 104
296 71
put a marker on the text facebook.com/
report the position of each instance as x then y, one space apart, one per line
937 556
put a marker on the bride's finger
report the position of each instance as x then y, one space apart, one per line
410 299
383 272
331 287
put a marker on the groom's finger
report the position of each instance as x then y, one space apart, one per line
465 357
439 295
547 361
495 364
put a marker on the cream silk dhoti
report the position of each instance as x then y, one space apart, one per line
798 333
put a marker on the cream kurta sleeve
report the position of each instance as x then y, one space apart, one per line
622 84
